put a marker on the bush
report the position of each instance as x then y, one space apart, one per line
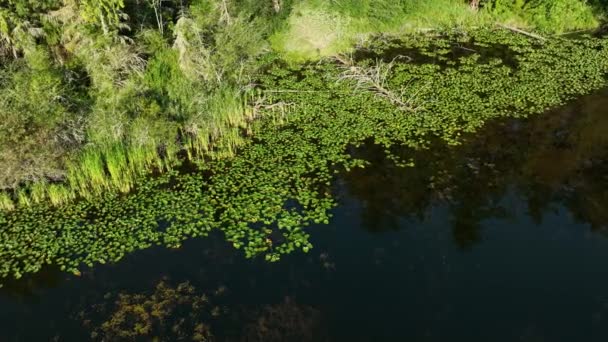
33 107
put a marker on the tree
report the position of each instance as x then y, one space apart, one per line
21 23
158 13
276 5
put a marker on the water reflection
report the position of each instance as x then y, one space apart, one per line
559 157
285 321
438 54
32 284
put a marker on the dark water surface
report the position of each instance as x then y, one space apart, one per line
504 238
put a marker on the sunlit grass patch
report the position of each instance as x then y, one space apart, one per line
313 32
318 29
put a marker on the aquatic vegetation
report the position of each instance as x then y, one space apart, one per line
170 312
183 312
279 182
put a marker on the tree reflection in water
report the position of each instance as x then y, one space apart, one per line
286 321
560 157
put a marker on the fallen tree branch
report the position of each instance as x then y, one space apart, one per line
373 79
260 104
516 30
274 105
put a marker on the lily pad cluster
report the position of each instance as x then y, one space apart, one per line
280 181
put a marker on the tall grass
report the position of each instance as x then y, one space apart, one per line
59 194
38 192
86 175
215 130
118 168
22 198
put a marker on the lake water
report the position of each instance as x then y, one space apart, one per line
504 238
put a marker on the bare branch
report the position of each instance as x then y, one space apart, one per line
373 79
522 32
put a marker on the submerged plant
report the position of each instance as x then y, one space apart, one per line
170 312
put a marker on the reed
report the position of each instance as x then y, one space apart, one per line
92 179
38 192
6 202
59 194
121 176
142 158
23 198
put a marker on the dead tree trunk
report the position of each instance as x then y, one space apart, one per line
276 4
474 4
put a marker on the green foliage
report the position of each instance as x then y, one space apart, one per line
320 28
25 8
547 15
148 74
221 44
105 13
32 108
263 198
98 94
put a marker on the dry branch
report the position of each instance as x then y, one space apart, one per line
260 105
373 79
532 35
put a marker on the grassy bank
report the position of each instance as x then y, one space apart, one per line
319 28
97 94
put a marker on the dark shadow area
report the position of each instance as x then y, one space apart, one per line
396 50
559 157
